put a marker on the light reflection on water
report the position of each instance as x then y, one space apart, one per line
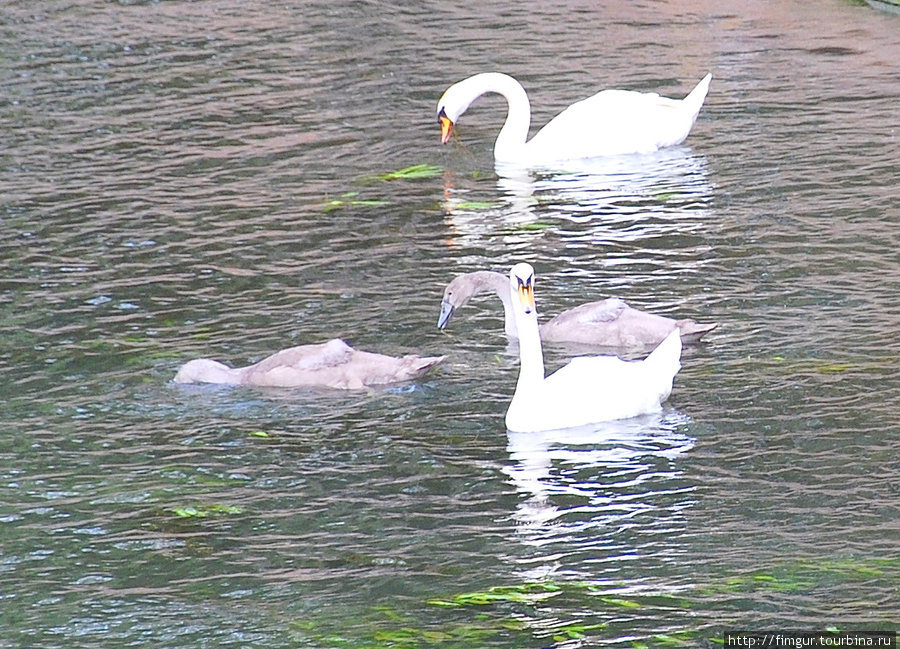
614 479
168 196
617 196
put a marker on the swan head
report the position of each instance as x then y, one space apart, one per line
446 125
452 104
466 286
457 294
448 308
455 101
521 288
457 98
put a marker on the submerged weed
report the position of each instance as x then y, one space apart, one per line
528 593
204 511
414 172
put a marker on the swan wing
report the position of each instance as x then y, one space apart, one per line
614 122
367 368
603 311
606 387
305 365
589 389
336 365
306 357
613 323
592 389
608 323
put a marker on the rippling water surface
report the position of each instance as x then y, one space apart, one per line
183 179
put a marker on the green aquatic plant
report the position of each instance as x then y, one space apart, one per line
350 199
528 593
575 631
387 628
475 205
414 172
682 639
825 366
525 614
204 511
537 226
765 581
624 603
834 367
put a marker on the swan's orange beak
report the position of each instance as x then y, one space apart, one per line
446 126
526 296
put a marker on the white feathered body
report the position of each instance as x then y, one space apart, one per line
615 122
596 388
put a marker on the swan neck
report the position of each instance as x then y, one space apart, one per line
513 136
531 356
510 143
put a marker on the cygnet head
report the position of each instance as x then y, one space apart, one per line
204 370
457 294
521 288
464 287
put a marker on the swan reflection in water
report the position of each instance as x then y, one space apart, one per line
670 176
597 477
623 198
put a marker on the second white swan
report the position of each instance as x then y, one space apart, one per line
611 122
590 388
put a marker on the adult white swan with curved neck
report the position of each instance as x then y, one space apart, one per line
590 388
612 122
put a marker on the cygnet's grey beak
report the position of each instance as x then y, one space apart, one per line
447 310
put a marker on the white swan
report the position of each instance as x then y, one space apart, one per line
590 388
612 122
333 364
607 323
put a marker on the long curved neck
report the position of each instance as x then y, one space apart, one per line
531 356
500 285
509 319
514 134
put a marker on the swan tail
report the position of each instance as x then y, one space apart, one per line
667 354
692 332
694 101
663 364
416 366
